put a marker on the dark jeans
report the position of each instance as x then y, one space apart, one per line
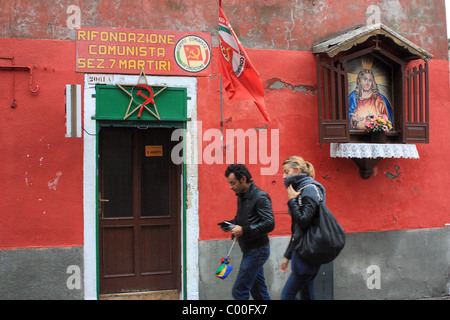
299 282
250 278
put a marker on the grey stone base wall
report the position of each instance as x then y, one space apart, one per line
405 264
42 274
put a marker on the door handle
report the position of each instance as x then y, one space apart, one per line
100 211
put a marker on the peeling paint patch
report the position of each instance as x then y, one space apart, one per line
27 182
54 184
277 84
391 175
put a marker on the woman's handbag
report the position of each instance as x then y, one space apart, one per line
323 240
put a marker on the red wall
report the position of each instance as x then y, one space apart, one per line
414 199
34 150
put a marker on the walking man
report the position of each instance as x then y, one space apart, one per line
254 220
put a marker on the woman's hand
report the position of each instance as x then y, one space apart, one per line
284 265
292 194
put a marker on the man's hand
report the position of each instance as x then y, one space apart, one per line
284 265
237 231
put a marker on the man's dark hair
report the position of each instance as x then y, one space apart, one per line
239 171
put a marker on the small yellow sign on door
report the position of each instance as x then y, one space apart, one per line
153 151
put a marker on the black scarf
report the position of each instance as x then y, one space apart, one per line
301 180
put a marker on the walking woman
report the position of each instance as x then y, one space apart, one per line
303 206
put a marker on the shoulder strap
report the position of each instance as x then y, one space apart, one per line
317 190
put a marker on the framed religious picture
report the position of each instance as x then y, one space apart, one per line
370 90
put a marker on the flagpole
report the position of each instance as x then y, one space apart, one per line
221 102
221 114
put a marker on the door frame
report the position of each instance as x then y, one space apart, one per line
189 214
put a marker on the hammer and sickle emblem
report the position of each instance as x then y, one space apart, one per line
194 54
147 99
226 50
228 54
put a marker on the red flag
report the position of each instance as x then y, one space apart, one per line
240 79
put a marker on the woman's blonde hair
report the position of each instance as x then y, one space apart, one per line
299 162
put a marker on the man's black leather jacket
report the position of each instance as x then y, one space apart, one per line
255 216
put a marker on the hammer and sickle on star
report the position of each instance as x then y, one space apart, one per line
140 93
147 99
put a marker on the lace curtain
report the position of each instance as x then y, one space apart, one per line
373 150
